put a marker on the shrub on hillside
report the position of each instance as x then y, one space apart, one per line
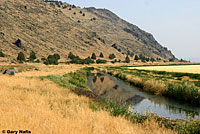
112 56
2 54
127 60
101 55
21 57
52 59
93 56
32 56
136 58
71 55
99 61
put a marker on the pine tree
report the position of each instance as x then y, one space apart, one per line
32 56
127 60
136 58
93 56
71 55
112 56
21 57
2 54
101 55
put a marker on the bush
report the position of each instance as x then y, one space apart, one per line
56 56
32 56
52 59
152 60
136 58
112 56
127 60
71 55
114 61
73 6
2 54
101 61
101 55
191 127
93 56
183 91
78 60
21 57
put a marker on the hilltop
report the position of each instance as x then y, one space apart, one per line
56 27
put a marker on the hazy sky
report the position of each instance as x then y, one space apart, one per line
174 23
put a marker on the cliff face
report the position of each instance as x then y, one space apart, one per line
55 27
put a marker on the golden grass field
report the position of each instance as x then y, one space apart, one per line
178 68
41 106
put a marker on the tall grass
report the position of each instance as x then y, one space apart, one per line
186 91
44 107
182 90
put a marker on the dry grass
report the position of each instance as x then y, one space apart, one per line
46 108
155 86
135 80
180 68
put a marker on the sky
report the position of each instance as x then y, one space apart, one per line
175 24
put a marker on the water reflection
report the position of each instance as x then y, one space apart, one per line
112 88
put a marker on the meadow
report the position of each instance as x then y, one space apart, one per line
33 100
177 68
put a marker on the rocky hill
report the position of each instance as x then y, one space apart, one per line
56 27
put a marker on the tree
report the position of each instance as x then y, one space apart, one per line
21 57
101 55
147 59
2 54
71 55
32 56
127 60
112 56
93 56
136 58
152 59
52 59
141 56
57 56
171 60
101 61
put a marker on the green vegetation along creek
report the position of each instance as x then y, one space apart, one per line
78 83
161 83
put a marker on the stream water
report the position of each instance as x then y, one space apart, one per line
113 88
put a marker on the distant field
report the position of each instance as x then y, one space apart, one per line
178 68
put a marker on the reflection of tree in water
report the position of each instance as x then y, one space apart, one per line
102 79
188 113
176 110
135 100
94 79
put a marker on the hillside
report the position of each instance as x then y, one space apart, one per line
49 27
126 38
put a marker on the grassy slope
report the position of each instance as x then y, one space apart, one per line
44 107
110 27
44 29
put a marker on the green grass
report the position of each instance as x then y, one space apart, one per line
79 80
71 80
149 81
